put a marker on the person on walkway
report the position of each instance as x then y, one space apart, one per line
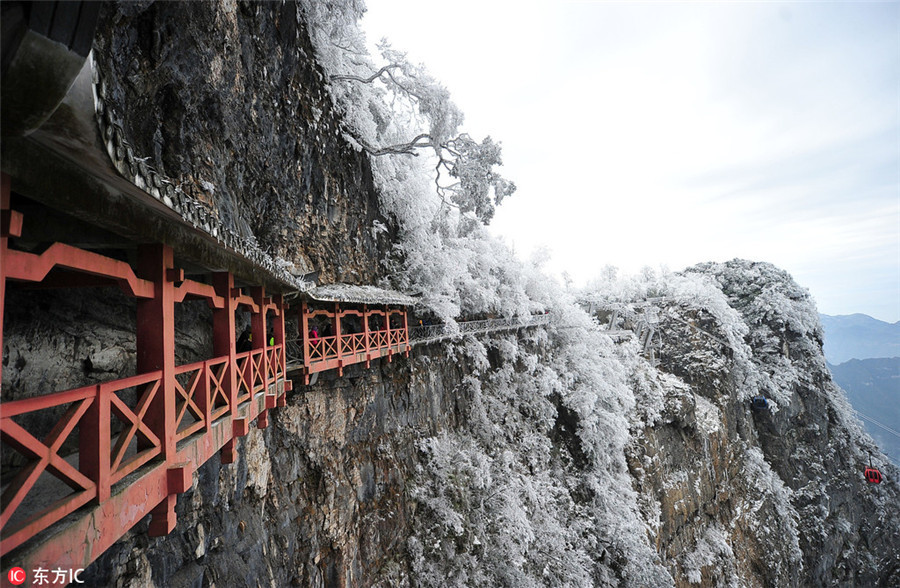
245 341
314 351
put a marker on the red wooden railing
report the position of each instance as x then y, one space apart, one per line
321 353
106 456
43 456
126 448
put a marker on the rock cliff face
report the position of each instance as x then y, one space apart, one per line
227 100
548 457
773 497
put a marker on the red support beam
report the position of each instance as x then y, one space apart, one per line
94 449
387 325
304 335
180 478
224 344
261 341
244 299
405 333
28 267
156 351
366 339
278 332
191 290
258 318
337 338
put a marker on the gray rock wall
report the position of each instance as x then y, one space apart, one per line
773 498
226 99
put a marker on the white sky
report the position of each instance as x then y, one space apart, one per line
649 134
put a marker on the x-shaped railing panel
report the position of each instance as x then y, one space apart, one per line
217 371
152 445
190 399
43 456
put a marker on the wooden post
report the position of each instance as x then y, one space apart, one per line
278 328
156 351
337 338
224 344
366 336
281 339
307 346
405 333
260 341
258 323
278 332
94 443
387 324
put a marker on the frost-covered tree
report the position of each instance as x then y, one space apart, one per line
465 174
440 198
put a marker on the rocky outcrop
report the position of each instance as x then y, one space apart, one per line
773 497
227 101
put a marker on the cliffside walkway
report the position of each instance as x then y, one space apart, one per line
83 208
359 335
338 351
82 466
422 335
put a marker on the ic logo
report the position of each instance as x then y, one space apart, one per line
16 576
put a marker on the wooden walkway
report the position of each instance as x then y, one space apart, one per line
137 440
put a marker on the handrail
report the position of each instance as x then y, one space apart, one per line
325 349
104 454
431 333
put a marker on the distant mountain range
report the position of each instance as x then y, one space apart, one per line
859 336
863 354
873 388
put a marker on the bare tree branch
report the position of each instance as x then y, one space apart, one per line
401 148
369 79
477 189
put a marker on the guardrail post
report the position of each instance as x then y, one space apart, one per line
224 344
258 325
337 338
387 326
278 328
94 443
405 332
156 351
260 341
366 336
304 336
